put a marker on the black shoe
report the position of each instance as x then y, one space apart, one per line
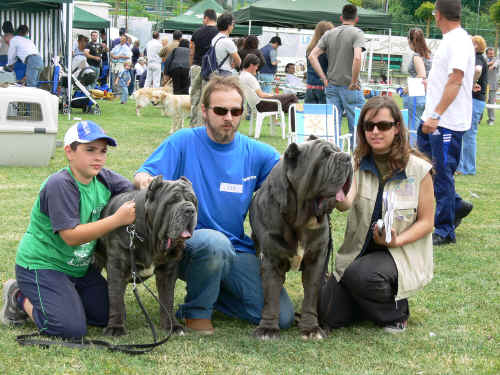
437 240
463 211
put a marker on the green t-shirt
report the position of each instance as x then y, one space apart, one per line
64 203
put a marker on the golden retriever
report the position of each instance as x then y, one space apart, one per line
178 107
149 95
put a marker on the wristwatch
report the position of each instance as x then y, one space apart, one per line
435 116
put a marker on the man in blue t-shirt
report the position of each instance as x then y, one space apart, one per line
225 167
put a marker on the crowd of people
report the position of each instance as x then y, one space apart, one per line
375 273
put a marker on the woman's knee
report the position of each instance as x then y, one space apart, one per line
66 327
367 283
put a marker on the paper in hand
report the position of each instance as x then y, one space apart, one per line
416 87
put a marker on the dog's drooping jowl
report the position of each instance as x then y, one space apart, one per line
166 215
289 220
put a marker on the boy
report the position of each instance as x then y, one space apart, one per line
55 285
123 80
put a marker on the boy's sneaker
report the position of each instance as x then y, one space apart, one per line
397 327
11 314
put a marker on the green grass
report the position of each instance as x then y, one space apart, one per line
454 323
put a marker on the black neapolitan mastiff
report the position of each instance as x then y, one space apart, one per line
290 213
165 217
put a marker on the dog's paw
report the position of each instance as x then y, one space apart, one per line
315 333
178 330
266 333
115 331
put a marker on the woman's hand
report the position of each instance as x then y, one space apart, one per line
380 238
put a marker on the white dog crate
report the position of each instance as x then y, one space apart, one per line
28 126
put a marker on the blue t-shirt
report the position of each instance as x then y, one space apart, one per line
224 177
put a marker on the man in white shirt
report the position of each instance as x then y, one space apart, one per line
447 115
119 54
20 47
153 75
225 49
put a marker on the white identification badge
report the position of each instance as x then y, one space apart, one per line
231 188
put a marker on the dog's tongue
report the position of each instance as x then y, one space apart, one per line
185 235
340 196
169 242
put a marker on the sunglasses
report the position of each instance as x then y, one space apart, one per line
381 125
222 111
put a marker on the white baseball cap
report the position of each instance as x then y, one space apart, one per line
86 132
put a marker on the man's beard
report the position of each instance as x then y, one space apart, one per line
222 136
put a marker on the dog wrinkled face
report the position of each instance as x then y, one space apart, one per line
171 211
319 172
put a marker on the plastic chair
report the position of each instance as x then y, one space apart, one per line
357 112
321 120
253 99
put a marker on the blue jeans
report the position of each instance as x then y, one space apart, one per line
220 278
469 143
415 106
124 94
443 148
34 66
63 305
345 99
267 82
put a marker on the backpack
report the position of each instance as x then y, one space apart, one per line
209 62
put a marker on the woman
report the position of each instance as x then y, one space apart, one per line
251 45
315 92
419 67
7 34
467 163
177 68
140 71
375 274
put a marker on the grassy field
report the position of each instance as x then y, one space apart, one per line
454 323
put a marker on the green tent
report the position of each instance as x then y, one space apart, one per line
32 6
88 21
192 20
305 14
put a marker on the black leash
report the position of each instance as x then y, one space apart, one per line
132 349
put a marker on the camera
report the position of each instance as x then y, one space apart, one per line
380 226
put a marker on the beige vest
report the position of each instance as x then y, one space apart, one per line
414 261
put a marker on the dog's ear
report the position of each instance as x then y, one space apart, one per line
312 137
291 155
153 187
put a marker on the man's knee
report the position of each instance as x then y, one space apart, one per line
211 246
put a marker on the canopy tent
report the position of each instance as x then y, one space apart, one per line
192 20
44 20
88 21
304 14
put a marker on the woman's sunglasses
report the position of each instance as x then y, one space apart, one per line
381 125
222 111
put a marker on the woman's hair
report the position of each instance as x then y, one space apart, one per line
400 148
184 43
321 28
251 42
481 43
416 37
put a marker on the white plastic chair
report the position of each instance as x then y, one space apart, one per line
253 99
321 120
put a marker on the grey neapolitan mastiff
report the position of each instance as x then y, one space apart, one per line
165 217
289 220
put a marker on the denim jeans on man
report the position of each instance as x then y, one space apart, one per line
221 278
469 141
34 66
443 148
345 99
266 82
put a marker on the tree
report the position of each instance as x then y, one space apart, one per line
495 17
424 12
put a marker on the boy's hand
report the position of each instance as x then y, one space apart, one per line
126 213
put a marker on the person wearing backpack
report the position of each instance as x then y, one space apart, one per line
225 50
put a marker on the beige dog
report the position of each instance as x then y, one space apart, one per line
148 95
178 107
